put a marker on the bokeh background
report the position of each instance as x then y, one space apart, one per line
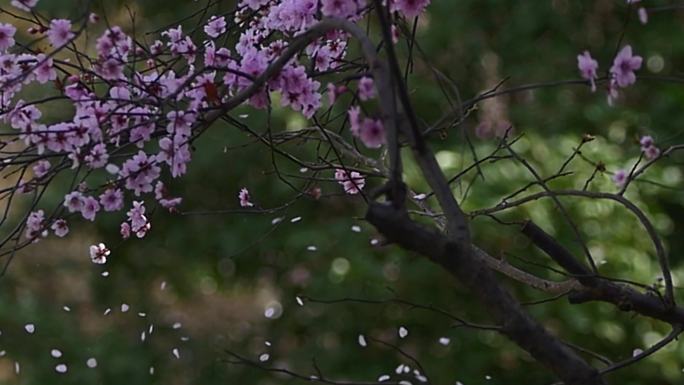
219 275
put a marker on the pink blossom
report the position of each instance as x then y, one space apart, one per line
254 4
372 133
99 253
7 32
215 27
643 15
651 152
41 168
136 216
60 228
244 198
112 199
45 71
366 88
624 66
646 141
648 147
354 122
409 8
339 8
34 224
24 5
74 201
90 208
125 230
588 67
140 172
60 33
620 178
352 182
98 156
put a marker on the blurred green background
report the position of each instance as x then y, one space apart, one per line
221 273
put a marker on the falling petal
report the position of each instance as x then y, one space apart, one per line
403 332
55 353
362 340
299 301
444 341
30 328
269 312
124 307
61 368
356 229
176 353
177 325
107 311
91 363
264 357
383 378
295 219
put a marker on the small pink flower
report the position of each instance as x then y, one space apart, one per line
366 88
354 122
588 66
245 198
34 224
41 168
372 133
74 201
624 65
60 33
24 5
7 32
60 228
125 230
643 15
352 182
409 8
90 208
620 178
652 152
646 141
215 27
99 253
112 199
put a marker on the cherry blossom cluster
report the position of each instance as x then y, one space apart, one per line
133 125
621 73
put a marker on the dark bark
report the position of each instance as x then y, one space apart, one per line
395 224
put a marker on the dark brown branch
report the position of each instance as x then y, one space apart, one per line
516 324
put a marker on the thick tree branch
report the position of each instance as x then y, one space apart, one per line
396 225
